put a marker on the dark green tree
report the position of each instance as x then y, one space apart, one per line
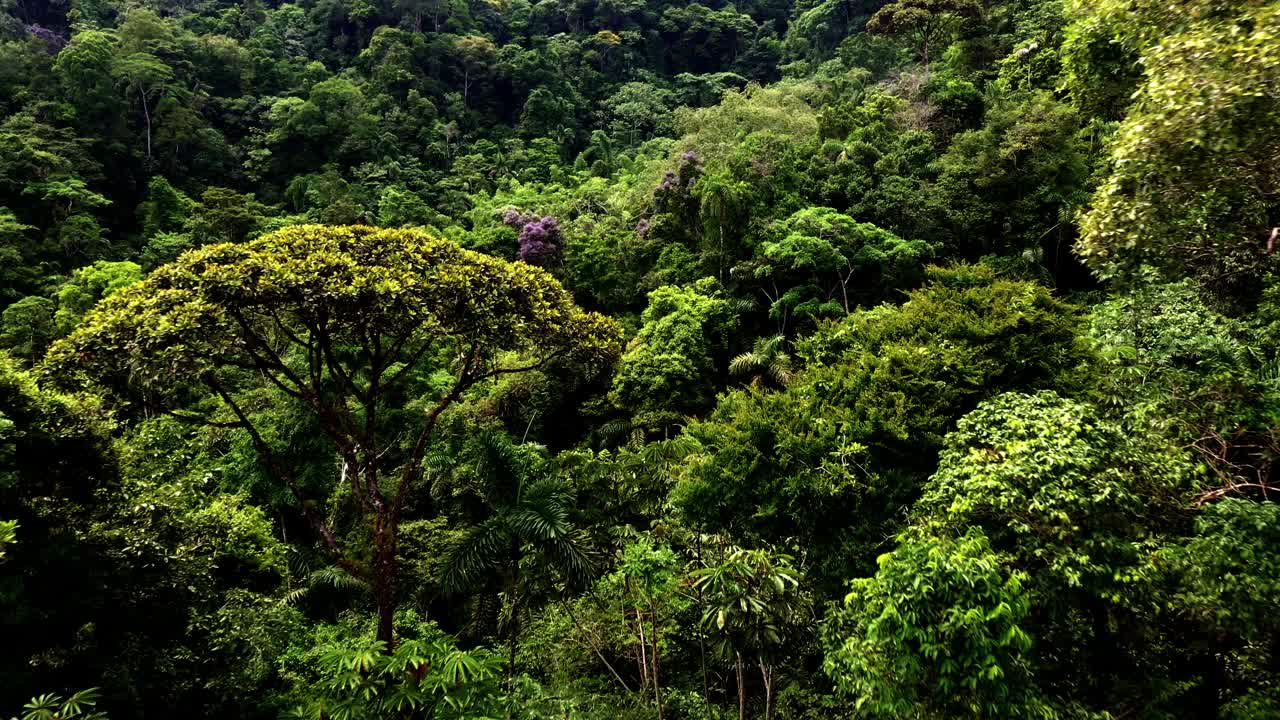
528 530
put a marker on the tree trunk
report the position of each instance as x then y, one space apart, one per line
702 634
594 646
657 686
146 115
644 650
742 690
844 289
928 28
514 639
384 579
766 674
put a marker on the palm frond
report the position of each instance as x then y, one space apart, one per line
330 576
614 432
472 559
767 361
744 364
1270 371
497 455
573 556
543 513
780 370
336 578
770 346
300 564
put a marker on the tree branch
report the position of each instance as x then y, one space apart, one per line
331 360
409 363
424 436
197 419
274 467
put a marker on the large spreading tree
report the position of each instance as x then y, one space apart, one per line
338 319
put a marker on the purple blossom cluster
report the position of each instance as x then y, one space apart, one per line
539 240
642 227
684 175
53 42
669 181
512 217
540 237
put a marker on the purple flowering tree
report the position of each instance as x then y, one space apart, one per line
682 178
540 237
540 240
674 196
53 41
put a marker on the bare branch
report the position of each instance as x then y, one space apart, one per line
424 436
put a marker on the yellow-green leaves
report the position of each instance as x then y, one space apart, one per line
205 310
939 631
1072 496
1192 187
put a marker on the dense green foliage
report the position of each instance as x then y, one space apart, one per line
625 360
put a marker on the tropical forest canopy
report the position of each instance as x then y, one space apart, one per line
627 360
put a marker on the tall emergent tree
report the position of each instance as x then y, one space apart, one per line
926 21
338 319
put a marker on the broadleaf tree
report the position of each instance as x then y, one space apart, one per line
336 319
